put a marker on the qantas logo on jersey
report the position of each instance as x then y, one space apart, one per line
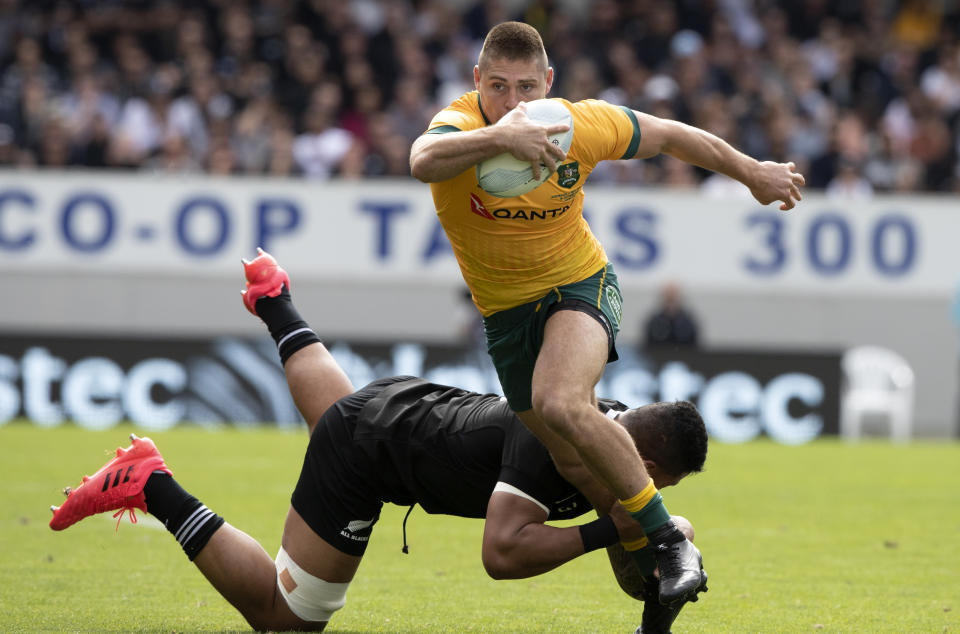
530 214
477 207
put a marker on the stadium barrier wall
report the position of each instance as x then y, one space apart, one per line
98 382
89 254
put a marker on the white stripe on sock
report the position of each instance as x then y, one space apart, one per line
291 334
200 524
189 521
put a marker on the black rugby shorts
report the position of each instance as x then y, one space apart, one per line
337 494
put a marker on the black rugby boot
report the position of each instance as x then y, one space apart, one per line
658 618
680 564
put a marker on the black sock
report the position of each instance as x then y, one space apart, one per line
189 521
288 329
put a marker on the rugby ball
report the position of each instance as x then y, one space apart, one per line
506 176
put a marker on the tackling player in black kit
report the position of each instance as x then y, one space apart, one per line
401 440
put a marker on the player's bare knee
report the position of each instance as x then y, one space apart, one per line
559 412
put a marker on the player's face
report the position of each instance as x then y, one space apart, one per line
505 83
666 480
660 477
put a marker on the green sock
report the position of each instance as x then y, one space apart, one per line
653 515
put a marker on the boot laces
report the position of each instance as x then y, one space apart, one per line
119 516
669 560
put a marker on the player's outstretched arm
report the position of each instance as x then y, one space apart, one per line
518 544
768 181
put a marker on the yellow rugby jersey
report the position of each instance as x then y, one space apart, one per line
514 250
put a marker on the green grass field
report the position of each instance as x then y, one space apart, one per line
827 537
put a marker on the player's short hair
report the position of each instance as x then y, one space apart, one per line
672 435
512 41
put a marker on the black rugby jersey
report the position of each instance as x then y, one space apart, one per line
445 448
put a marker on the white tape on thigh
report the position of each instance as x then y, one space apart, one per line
310 598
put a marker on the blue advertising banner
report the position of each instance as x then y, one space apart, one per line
367 231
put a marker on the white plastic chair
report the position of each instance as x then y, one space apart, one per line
877 383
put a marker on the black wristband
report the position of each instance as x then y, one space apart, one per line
599 533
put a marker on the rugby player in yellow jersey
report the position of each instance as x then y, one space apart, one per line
541 280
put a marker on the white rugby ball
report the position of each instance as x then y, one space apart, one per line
505 175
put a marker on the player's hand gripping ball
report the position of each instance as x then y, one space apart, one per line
505 175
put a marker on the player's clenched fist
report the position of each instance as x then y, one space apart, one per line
777 181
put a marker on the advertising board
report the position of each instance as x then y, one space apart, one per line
96 383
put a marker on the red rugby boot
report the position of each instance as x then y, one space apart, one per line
117 485
264 278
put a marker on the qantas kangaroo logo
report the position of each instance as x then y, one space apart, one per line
476 206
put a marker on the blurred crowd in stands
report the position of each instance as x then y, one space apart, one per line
864 95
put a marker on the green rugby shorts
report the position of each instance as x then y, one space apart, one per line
514 336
